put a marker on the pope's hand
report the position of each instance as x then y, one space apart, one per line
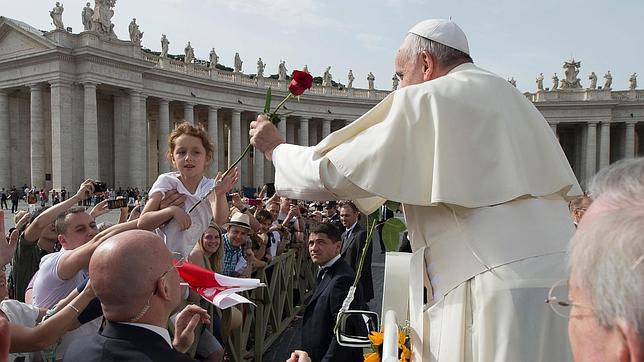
265 136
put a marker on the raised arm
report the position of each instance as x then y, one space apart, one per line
35 229
217 199
24 339
73 261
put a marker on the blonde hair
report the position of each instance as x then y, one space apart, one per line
216 260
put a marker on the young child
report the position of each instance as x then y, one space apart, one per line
190 152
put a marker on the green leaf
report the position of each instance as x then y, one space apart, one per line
391 233
392 205
267 104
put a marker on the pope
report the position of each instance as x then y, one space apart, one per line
483 183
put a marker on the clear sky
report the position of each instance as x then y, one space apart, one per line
513 38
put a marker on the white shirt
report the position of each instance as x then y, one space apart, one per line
49 288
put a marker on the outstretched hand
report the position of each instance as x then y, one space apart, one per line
100 209
223 185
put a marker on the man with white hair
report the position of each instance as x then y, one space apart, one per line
606 288
483 183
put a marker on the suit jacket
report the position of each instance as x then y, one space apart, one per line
320 314
351 251
122 342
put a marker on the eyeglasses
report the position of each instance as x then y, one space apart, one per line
558 299
177 262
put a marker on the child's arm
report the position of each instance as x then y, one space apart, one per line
152 217
217 199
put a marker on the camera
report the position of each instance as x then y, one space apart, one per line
116 204
100 186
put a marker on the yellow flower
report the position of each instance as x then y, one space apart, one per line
402 336
405 355
376 338
372 357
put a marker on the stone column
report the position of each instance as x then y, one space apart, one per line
244 164
282 127
90 132
591 150
37 137
121 143
604 144
213 134
326 128
235 141
304 131
61 136
5 139
138 141
290 131
189 112
313 133
629 141
221 150
553 126
163 133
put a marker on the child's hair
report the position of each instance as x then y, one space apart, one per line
185 128
263 215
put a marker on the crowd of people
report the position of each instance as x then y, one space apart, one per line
486 216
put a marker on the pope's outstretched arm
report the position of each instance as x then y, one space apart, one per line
301 172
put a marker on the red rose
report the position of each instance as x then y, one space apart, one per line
301 81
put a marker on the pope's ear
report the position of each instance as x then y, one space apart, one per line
429 65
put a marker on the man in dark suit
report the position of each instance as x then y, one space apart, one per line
332 215
353 241
335 277
134 277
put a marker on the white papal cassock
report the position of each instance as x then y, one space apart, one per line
483 182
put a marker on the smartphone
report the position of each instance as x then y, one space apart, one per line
100 186
229 197
254 202
116 204
270 189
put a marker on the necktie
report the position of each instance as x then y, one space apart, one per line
321 274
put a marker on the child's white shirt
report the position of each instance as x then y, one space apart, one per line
175 239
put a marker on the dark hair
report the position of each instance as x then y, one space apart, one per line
61 220
350 205
263 215
330 230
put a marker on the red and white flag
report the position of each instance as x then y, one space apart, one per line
218 289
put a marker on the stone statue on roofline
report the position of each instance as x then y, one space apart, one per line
260 68
305 69
57 16
281 70
214 59
555 82
608 80
238 63
370 79
394 82
571 71
135 34
540 79
86 17
164 46
593 80
189 54
102 18
326 77
512 81
632 81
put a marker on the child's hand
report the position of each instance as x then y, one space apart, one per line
181 217
223 185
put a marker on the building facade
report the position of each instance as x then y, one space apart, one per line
88 105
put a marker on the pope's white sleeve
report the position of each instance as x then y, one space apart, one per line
301 173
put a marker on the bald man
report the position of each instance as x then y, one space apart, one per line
134 277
